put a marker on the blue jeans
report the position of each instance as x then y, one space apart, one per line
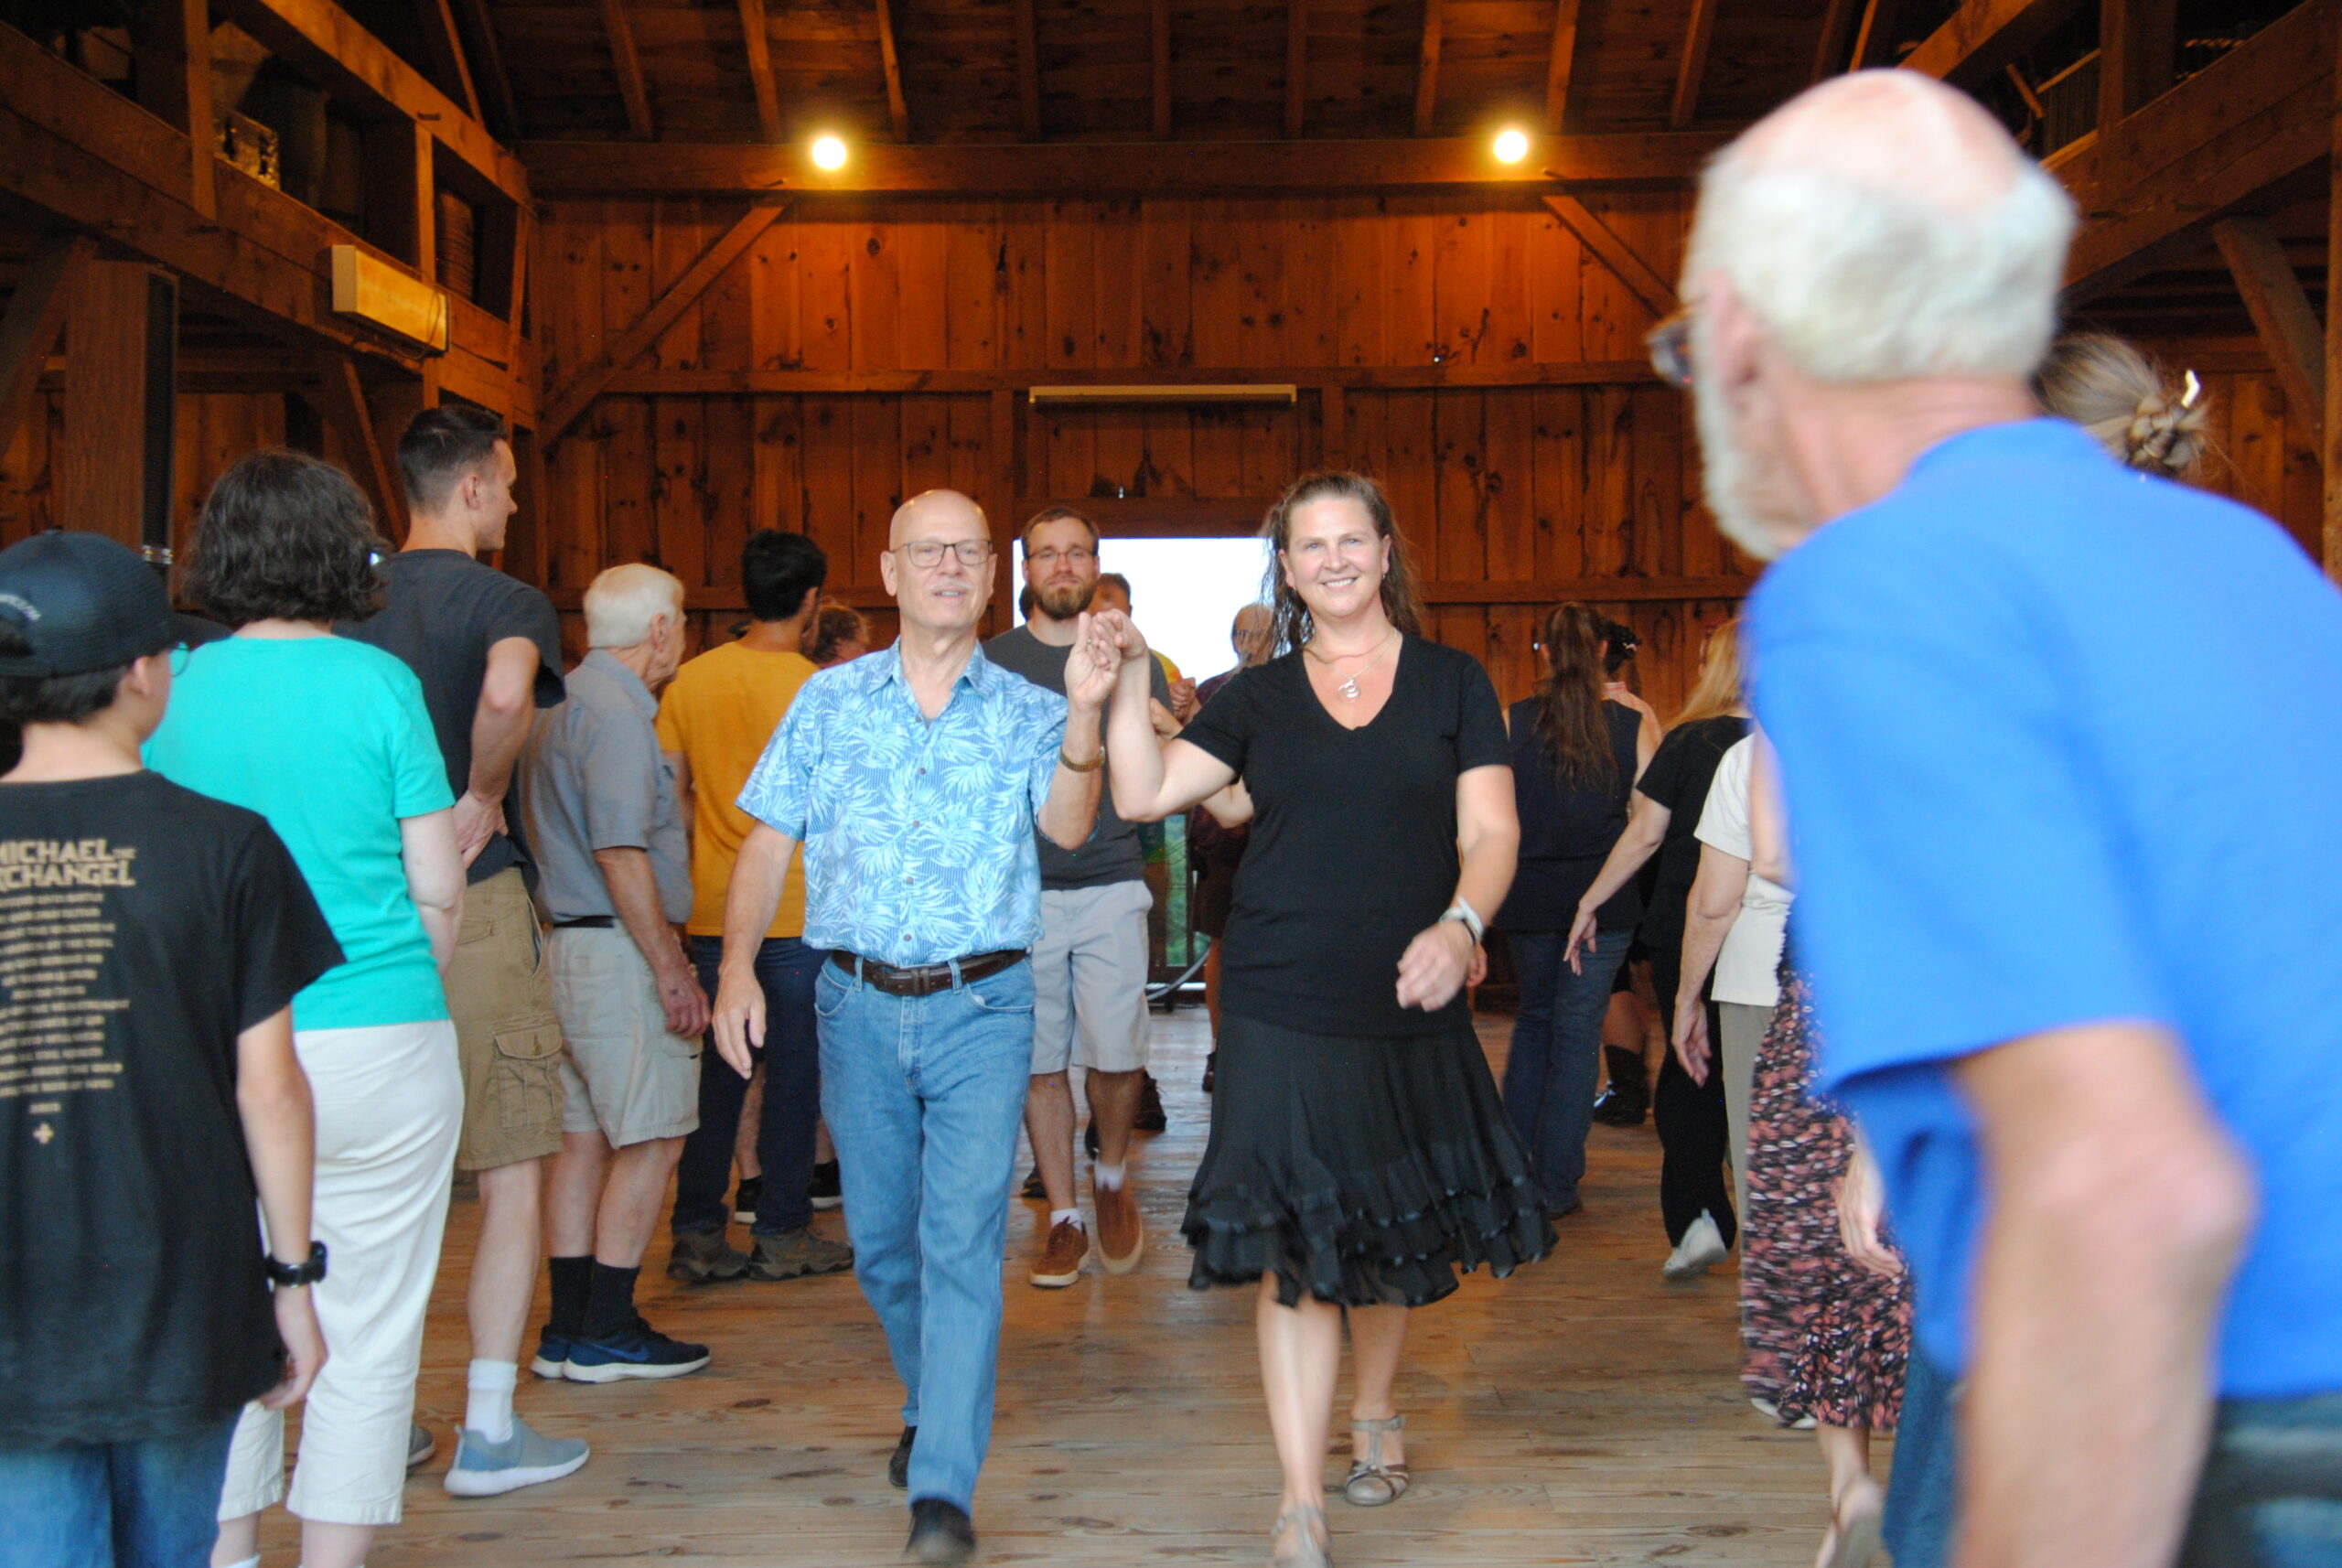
1923 1490
793 1063
924 1095
2271 1492
1556 1056
152 1503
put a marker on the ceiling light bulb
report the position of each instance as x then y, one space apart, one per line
1511 147
829 152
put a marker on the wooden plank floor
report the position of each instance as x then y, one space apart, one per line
1585 1411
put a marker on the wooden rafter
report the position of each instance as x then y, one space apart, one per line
1159 60
1830 47
2281 312
1296 65
628 65
341 405
1614 252
563 409
755 44
1561 61
35 316
443 48
1693 66
1427 68
1870 38
1113 168
1029 71
1982 36
890 60
493 81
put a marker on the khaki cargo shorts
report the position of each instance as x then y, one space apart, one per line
625 1076
499 993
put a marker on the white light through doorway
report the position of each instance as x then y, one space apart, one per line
1183 592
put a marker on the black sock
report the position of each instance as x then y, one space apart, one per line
609 1308
573 1279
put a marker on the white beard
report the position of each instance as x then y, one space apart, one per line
1752 501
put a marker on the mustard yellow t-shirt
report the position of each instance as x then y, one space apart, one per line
719 711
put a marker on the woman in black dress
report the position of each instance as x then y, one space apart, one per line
1360 1155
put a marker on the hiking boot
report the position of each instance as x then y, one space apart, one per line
697 1259
793 1254
1062 1256
1150 1117
1122 1234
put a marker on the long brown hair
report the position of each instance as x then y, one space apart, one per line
2118 394
1570 721
1717 692
1290 625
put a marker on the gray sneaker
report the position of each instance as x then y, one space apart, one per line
420 1444
485 1469
795 1253
708 1256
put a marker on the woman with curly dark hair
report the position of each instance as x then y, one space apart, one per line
329 740
1359 1154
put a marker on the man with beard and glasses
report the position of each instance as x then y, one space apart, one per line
2048 806
1090 966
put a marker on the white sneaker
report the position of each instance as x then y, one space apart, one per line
1701 1250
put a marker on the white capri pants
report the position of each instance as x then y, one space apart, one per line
390 1107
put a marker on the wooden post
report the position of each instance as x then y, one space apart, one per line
1560 58
100 461
171 44
1427 68
2137 54
1008 474
2280 309
402 210
34 319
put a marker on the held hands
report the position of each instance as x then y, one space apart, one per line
305 1346
739 1019
1184 705
1436 965
1691 1044
1092 664
1116 633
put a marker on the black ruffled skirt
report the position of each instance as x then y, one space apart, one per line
1360 1170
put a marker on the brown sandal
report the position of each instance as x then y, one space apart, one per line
1373 1483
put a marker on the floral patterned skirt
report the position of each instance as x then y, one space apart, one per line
1820 1335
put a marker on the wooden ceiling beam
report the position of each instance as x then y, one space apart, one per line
1561 63
1017 381
1029 70
34 321
626 65
1694 65
1111 169
2280 308
756 42
494 81
443 50
1427 68
890 60
1160 59
1296 65
1641 278
1982 36
563 407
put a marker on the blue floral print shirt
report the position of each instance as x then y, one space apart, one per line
917 833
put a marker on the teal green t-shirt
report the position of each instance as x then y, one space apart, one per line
330 741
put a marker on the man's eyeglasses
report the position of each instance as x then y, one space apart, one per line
1078 555
1670 343
926 553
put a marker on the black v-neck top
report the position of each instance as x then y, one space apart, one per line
1353 839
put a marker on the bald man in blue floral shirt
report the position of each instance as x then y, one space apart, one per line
913 778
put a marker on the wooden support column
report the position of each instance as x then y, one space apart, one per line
890 60
401 212
2333 442
171 45
1008 482
756 38
2281 312
1561 60
34 322
1029 70
1159 57
1296 65
628 65
1427 69
2137 52
1694 65
99 465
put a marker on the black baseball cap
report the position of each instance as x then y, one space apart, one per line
84 603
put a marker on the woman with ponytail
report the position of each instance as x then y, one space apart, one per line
1576 753
2115 391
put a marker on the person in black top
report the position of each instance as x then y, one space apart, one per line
1694 1194
149 1092
1575 755
1359 1154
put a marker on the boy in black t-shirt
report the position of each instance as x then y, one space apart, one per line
151 942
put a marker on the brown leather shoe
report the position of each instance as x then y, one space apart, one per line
1122 1234
1062 1258
695 1260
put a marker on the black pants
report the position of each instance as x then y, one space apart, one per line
1694 1136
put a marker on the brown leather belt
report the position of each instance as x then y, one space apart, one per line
926 978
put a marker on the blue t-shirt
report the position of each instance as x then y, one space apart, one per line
2063 744
330 741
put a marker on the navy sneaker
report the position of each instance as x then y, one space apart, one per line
552 1354
637 1351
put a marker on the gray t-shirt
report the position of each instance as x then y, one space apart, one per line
1113 853
592 777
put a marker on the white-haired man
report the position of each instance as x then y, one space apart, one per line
2048 806
607 828
914 777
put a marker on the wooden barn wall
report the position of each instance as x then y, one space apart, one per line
1508 485
2263 453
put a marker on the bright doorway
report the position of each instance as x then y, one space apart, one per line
1183 592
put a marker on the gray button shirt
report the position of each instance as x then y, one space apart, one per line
592 777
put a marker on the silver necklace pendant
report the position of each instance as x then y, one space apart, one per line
1348 688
